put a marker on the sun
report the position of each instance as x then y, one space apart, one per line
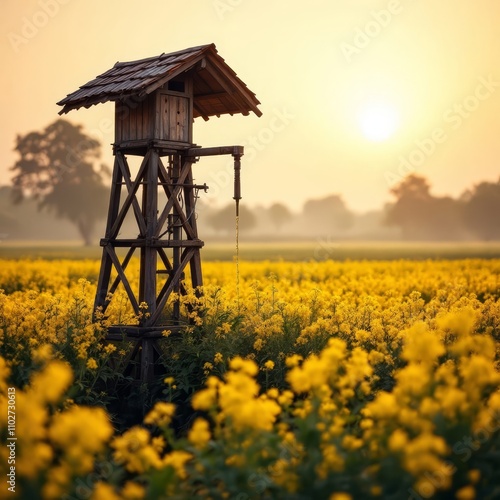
378 120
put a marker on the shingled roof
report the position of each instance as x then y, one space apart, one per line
217 88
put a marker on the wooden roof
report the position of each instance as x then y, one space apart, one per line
217 88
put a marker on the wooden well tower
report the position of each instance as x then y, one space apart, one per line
156 100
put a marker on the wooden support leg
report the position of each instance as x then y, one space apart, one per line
106 263
147 361
149 253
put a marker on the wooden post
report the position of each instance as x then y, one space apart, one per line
176 234
150 210
189 200
149 256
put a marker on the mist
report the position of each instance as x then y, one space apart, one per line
415 214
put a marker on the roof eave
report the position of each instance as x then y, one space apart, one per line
242 99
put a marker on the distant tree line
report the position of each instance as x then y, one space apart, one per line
324 215
59 170
415 213
422 216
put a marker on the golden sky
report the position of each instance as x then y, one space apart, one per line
355 93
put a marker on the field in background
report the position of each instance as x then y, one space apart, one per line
321 249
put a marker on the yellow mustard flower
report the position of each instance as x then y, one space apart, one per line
199 434
269 365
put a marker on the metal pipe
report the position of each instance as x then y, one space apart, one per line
237 182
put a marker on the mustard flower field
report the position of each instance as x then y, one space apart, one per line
318 380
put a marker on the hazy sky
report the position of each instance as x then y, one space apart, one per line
355 93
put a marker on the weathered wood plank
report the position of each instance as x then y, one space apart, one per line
165 125
179 120
132 123
157 116
172 114
118 123
125 121
189 111
146 121
138 121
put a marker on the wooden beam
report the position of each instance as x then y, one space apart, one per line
170 203
121 273
169 268
125 263
155 243
122 162
162 173
215 151
134 332
171 283
131 195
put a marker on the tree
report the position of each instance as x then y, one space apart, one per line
422 216
59 168
279 215
225 219
329 213
480 206
411 210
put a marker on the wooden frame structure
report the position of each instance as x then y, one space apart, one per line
157 100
